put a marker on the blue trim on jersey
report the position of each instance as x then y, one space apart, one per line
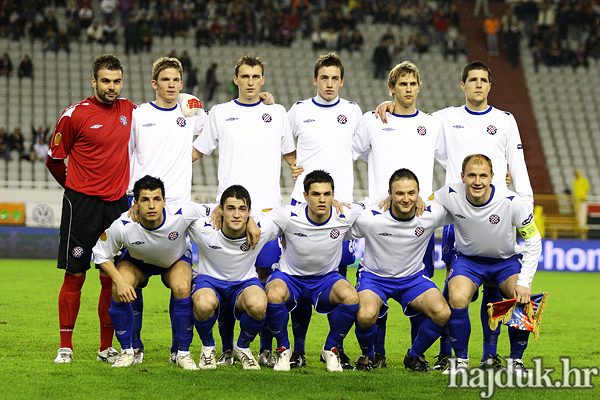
163 109
400 219
230 238
406 116
487 202
158 227
477 112
325 105
247 105
317 224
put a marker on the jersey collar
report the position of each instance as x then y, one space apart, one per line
315 223
400 219
246 105
161 225
163 109
406 116
487 202
477 112
321 102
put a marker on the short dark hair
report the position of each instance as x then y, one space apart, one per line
480 159
475 65
251 61
403 173
163 63
317 176
236 191
106 61
148 183
329 60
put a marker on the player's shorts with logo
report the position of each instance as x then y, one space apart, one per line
227 292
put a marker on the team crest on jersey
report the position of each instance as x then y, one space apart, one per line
334 234
57 138
173 235
342 119
77 252
421 130
419 231
181 121
245 247
494 219
123 120
492 130
267 118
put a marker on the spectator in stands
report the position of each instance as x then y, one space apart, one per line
186 61
203 37
39 150
216 30
108 8
381 59
509 19
330 39
37 31
50 20
592 46
491 27
191 81
4 147
63 41
356 41
545 17
581 187
95 33
132 35
73 31
441 24
17 143
125 6
4 23
40 132
455 45
554 55
453 16
344 40
85 14
317 39
26 67
6 66
576 57
211 82
512 39
479 4
145 42
72 11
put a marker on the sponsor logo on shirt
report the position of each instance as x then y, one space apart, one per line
57 138
96 126
494 219
123 120
173 235
342 119
308 121
149 124
520 146
300 234
267 118
138 243
215 247
207 209
528 220
492 130
458 126
245 247
421 130
419 231
231 119
334 234
460 216
385 234
388 129
181 121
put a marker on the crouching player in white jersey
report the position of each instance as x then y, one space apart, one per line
154 246
225 277
308 268
392 267
485 216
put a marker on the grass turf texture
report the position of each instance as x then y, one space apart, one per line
29 339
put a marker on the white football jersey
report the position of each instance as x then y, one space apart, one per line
493 133
311 248
161 146
160 247
324 132
251 139
406 141
225 258
395 248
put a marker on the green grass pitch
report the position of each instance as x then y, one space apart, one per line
29 339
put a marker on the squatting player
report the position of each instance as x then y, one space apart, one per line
485 218
392 267
251 137
93 134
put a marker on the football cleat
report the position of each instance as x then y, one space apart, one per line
379 361
492 362
208 358
245 357
457 366
138 354
266 359
109 355
173 358
64 356
516 367
441 364
363 363
332 359
417 364
125 359
282 362
185 361
344 360
226 358
298 360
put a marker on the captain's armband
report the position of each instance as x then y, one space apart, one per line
529 231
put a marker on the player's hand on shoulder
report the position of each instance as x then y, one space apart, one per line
339 206
252 232
386 106
134 213
296 170
216 219
386 204
421 206
190 104
267 98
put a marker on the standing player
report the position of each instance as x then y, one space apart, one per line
486 251
396 242
480 128
251 137
324 127
157 245
225 274
93 134
411 139
308 268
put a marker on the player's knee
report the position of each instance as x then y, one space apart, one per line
349 295
203 308
257 308
441 315
365 317
181 289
